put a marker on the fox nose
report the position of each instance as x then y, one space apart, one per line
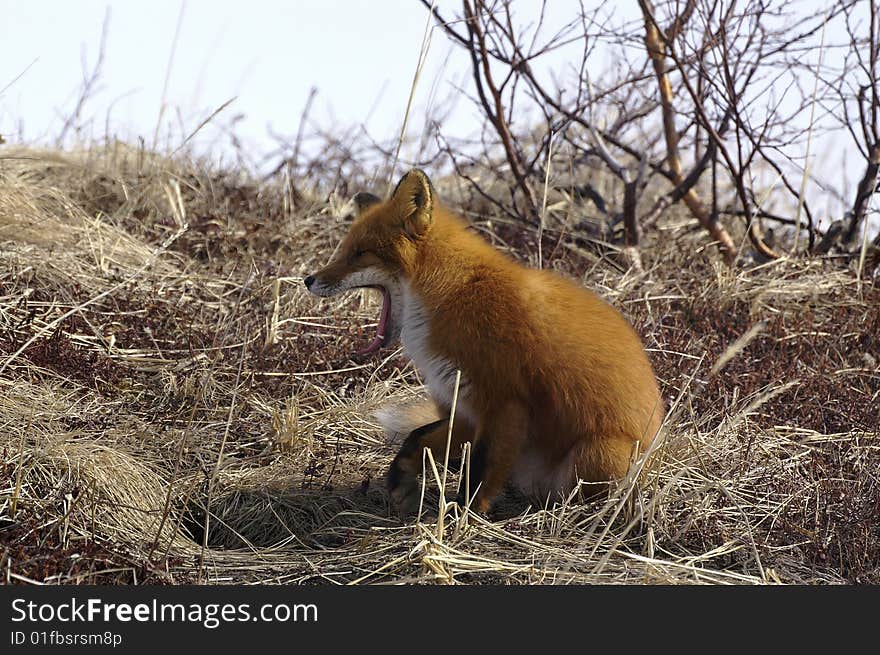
309 281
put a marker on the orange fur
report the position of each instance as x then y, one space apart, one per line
556 385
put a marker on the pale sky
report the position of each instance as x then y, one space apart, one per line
359 54
266 54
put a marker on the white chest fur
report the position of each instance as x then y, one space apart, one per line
437 372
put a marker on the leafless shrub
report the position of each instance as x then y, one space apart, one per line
730 91
859 85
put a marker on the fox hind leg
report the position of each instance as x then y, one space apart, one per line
407 464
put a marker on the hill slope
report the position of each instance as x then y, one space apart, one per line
175 408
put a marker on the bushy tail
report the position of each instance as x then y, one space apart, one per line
399 419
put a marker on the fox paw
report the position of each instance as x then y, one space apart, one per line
403 487
405 498
478 505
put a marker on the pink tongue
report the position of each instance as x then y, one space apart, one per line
376 343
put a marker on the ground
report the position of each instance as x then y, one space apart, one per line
175 408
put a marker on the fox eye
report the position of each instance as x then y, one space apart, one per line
360 253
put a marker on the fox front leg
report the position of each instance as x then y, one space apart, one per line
499 442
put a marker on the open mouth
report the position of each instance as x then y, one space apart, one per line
382 330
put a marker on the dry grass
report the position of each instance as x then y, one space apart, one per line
175 408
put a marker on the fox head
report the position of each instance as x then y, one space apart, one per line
379 250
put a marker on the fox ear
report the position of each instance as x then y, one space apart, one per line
364 200
414 197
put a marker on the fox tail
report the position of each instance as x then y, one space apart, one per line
399 419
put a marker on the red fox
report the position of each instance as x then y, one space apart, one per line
555 384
